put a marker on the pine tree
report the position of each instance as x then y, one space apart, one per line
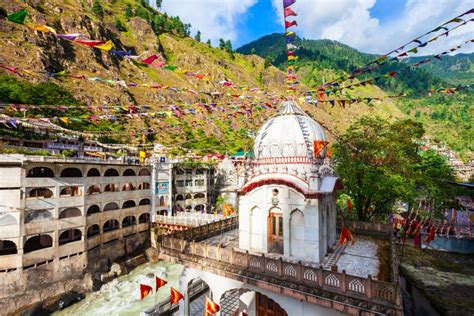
209 43
267 62
97 9
158 3
253 51
198 36
128 11
221 43
228 46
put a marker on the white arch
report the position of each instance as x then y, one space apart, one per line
297 234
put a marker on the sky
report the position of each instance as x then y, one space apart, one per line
372 26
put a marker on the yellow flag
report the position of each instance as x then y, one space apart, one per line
181 71
106 46
41 28
64 119
291 57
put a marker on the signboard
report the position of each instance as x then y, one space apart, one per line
162 159
162 188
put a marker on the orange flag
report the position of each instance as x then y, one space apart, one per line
319 146
145 290
159 283
346 236
211 307
175 297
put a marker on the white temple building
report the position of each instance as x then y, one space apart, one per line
287 200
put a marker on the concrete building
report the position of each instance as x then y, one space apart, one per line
193 188
61 218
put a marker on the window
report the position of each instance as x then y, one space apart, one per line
128 187
111 173
199 196
7 247
93 189
40 172
70 235
129 221
189 171
129 172
144 218
199 182
199 171
179 171
93 209
180 183
162 201
111 206
70 191
110 225
94 230
71 173
93 173
145 202
189 183
129 204
70 212
111 188
40 192
144 172
37 242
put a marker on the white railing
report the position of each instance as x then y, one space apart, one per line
188 219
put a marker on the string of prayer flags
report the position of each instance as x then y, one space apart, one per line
289 24
290 37
121 53
41 28
211 307
69 37
159 283
170 67
287 3
18 17
288 12
145 290
175 296
90 43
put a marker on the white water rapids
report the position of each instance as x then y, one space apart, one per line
121 297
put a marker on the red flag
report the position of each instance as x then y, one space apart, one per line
346 236
145 290
90 43
288 12
150 59
319 146
211 307
175 296
349 205
289 24
159 283
431 236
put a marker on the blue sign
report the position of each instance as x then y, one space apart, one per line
162 159
162 188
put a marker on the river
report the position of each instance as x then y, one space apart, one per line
122 295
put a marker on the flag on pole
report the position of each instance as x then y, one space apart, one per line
287 3
211 307
175 296
149 60
159 283
289 24
106 46
346 236
145 290
349 205
288 12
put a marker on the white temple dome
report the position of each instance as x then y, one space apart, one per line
290 133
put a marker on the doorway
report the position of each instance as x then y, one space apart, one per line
275 231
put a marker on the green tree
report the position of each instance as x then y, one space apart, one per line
228 46
159 3
221 43
209 43
253 51
97 8
198 36
128 11
120 26
375 160
267 62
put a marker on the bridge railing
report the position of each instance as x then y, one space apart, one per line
285 270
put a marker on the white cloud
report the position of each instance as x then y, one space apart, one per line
214 18
350 22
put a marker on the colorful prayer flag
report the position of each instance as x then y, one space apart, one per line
145 290
319 146
18 17
345 236
69 37
106 46
175 296
349 205
150 60
288 12
287 3
90 43
289 24
41 28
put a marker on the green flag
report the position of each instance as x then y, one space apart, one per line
170 67
18 17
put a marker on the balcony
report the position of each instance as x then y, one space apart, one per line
71 248
93 242
38 256
9 231
54 225
10 262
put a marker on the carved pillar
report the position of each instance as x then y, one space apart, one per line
247 259
343 281
299 271
280 267
320 276
368 290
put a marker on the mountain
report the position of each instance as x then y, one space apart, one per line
223 121
447 117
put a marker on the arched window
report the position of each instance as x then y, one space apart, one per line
70 235
128 187
7 247
144 202
93 209
199 207
129 172
188 196
40 192
40 172
71 173
37 216
199 195
110 225
129 204
111 206
111 173
144 186
144 172
111 188
189 208
70 212
144 218
92 231
69 191
162 201
93 189
37 243
129 221
93 172
179 197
